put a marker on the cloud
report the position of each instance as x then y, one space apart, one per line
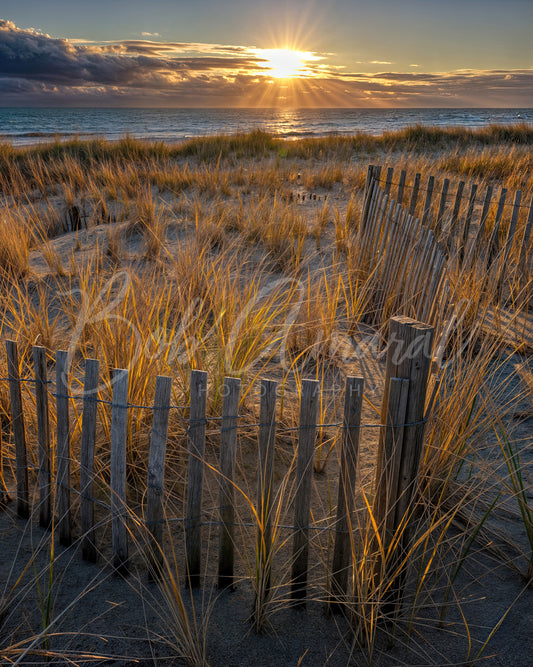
38 57
36 69
380 62
150 34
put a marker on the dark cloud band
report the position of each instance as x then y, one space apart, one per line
38 69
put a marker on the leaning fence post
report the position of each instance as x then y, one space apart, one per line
388 180
43 435
195 477
4 495
493 240
119 434
19 433
265 478
476 245
467 222
414 195
304 476
522 262
63 448
353 403
88 434
408 356
442 206
427 203
388 474
369 189
401 187
156 472
452 231
509 241
228 450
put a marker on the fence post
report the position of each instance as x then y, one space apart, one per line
474 252
523 263
509 240
19 432
466 226
493 240
156 473
119 434
88 434
63 449
4 495
195 477
427 203
228 451
414 195
455 214
342 552
388 180
387 475
408 356
265 477
43 435
401 187
442 206
304 476
369 193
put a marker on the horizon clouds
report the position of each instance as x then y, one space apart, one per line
39 70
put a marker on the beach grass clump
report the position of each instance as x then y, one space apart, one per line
212 254
491 164
14 246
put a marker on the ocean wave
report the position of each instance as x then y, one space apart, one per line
45 135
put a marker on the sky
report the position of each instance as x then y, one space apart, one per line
279 53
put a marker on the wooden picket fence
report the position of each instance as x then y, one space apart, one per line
400 446
414 247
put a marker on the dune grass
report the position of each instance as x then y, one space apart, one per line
238 255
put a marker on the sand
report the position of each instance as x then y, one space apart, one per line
105 619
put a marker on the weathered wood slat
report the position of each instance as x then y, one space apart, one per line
369 190
383 232
478 241
401 186
304 474
228 451
427 203
265 479
63 449
442 207
344 527
493 244
388 181
155 482
393 446
523 261
455 214
408 357
509 240
19 431
4 495
195 479
43 435
512 227
466 226
414 195
119 435
88 434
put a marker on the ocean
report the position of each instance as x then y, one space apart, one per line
28 126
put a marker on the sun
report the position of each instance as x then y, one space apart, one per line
284 63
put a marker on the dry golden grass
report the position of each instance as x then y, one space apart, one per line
210 258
